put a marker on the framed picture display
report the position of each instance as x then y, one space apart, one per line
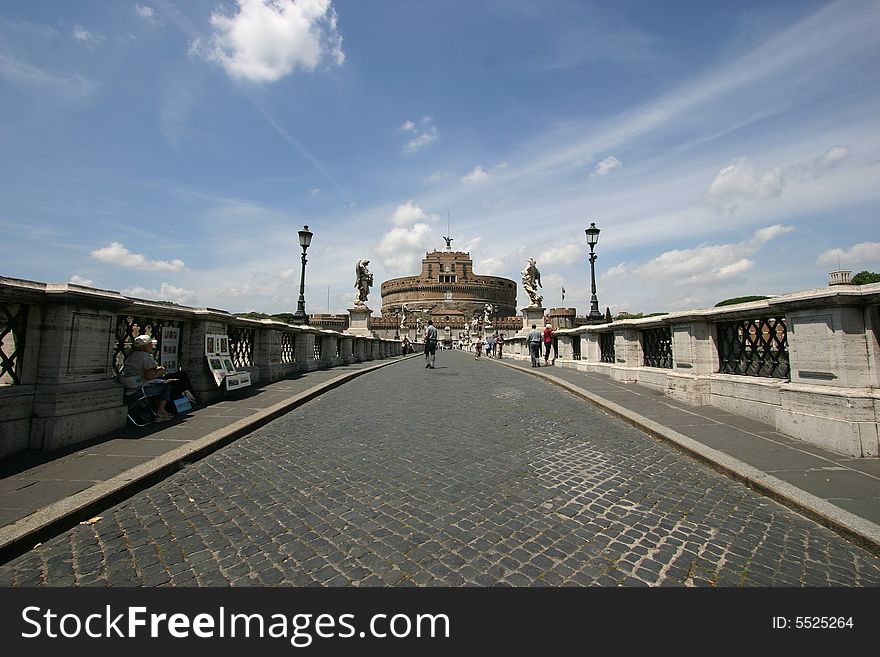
168 353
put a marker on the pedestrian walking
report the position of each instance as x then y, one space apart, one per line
430 344
490 346
479 348
548 342
534 340
500 344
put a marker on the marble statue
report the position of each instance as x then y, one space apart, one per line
487 314
404 315
363 280
531 281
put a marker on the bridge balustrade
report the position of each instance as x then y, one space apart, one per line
807 363
62 344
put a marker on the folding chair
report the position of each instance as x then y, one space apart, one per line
139 404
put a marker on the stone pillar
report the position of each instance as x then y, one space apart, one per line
267 351
328 351
694 359
75 398
590 351
346 348
830 356
531 315
305 351
565 350
359 322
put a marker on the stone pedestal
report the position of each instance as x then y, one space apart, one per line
359 323
532 315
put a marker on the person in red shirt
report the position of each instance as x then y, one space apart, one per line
548 342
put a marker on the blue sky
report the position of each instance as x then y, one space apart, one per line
172 150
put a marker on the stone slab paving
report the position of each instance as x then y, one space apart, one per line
464 475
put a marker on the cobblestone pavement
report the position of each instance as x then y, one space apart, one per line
464 475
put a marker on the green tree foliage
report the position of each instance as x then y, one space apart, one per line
287 318
865 277
736 300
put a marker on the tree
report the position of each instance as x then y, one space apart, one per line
865 277
736 300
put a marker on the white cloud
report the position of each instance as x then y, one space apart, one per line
834 156
147 13
704 264
267 39
427 137
314 191
117 254
740 180
418 143
79 280
605 166
619 271
489 266
477 175
859 254
439 176
567 254
402 248
409 214
83 35
166 292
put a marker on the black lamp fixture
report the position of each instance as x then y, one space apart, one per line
595 317
300 317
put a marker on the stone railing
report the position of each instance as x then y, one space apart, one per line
806 363
61 345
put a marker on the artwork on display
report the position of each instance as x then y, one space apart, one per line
168 355
220 363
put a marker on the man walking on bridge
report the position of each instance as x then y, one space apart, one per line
535 338
430 344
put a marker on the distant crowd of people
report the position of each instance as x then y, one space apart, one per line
492 345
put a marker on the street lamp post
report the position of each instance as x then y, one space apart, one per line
300 317
595 317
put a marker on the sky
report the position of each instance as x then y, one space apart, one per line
171 150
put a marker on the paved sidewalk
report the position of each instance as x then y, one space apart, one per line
42 494
841 492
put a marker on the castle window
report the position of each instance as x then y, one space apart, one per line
447 278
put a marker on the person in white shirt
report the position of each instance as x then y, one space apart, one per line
140 366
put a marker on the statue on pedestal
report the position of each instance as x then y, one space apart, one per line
363 280
404 315
488 311
531 281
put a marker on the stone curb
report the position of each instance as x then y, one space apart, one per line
23 534
855 529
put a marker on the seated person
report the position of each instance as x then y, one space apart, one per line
140 363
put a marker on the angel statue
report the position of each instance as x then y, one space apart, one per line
531 280
405 312
487 314
363 280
